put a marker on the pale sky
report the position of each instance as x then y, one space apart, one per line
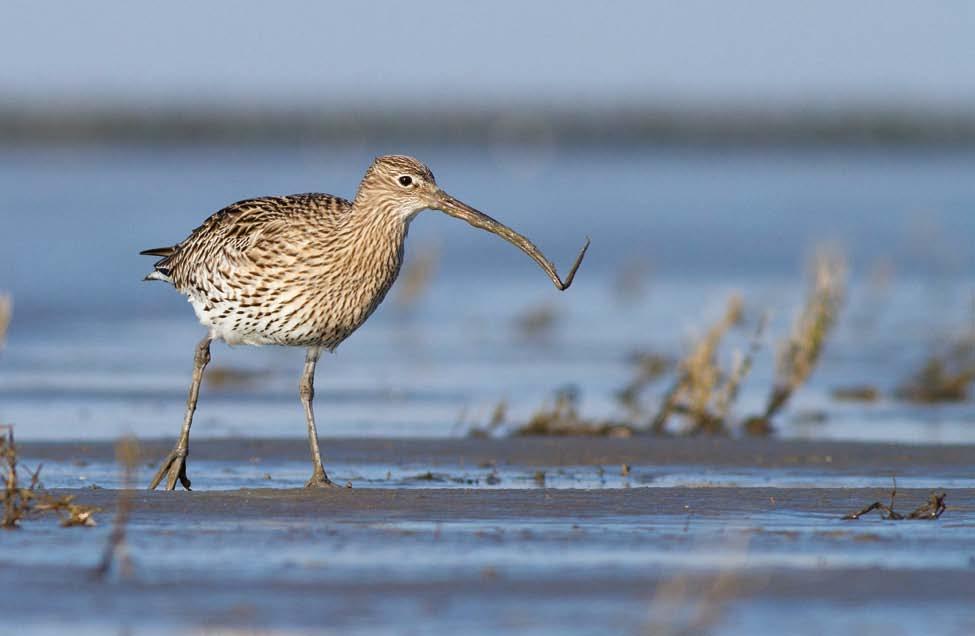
764 52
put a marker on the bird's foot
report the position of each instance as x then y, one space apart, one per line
320 480
174 469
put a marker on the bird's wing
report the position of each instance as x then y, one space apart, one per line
226 240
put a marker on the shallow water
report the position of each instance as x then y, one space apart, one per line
93 352
649 560
483 544
263 473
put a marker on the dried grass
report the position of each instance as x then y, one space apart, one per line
702 394
799 354
127 455
631 281
6 313
499 414
704 391
856 393
706 387
22 501
947 375
228 378
536 323
562 418
17 498
649 367
694 604
416 276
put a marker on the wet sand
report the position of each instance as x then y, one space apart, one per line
553 451
758 559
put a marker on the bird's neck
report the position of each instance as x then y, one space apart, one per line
379 219
378 237
375 246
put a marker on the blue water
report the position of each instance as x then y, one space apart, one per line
94 352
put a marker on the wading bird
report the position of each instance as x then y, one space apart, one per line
306 270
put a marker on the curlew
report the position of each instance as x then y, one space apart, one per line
306 270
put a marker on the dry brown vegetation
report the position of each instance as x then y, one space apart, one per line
416 276
799 354
127 455
946 375
6 312
693 604
649 368
706 387
856 393
704 391
939 380
562 418
499 415
17 498
536 323
21 500
631 280
222 377
702 394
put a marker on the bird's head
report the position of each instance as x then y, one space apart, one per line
398 185
404 186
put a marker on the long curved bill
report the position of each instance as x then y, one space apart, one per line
459 209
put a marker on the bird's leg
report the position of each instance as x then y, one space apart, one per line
175 464
306 389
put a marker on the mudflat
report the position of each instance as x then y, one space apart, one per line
750 545
551 451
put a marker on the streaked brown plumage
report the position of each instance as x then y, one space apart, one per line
306 270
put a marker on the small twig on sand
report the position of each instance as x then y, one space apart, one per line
127 454
932 509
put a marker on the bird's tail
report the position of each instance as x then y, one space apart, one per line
159 251
160 270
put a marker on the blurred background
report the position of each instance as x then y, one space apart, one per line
706 148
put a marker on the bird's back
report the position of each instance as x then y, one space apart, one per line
294 270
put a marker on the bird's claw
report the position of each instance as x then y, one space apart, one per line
320 480
174 468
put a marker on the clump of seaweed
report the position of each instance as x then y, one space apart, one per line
21 501
562 418
799 354
6 312
929 510
704 392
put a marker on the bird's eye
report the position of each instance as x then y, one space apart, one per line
406 180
